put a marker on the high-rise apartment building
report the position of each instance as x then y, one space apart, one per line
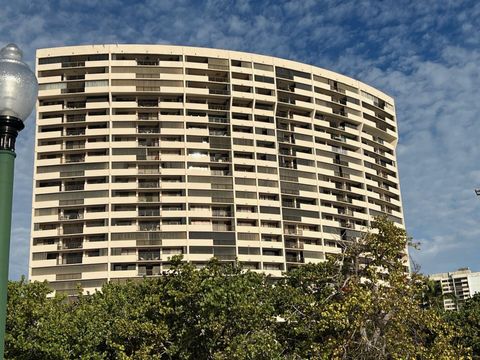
147 151
457 286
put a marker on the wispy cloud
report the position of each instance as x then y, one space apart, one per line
424 53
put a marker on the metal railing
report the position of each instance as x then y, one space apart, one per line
73 64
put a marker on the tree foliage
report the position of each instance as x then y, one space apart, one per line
468 320
360 305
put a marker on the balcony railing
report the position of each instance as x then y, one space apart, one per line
72 90
148 103
75 132
343 175
218 79
147 116
75 276
75 159
218 67
290 231
217 107
294 259
73 230
73 64
72 173
155 242
148 171
75 187
71 216
294 245
148 130
337 89
75 146
218 120
149 213
148 88
72 260
148 256
218 91
147 185
70 245
149 227
148 143
149 199
75 118
149 272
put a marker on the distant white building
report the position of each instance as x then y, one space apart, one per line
461 285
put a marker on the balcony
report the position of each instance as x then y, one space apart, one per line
148 199
219 120
147 117
78 145
218 107
219 159
73 229
74 159
151 212
342 175
147 103
148 171
149 227
146 143
292 231
339 138
74 187
70 245
334 87
148 184
149 271
148 255
339 112
72 258
218 133
149 242
75 118
218 91
71 216
149 130
73 64
75 132
293 245
148 157
148 62
294 259
218 79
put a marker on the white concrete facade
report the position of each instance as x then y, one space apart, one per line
458 286
146 151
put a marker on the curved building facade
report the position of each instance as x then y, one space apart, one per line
147 151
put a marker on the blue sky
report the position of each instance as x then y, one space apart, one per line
423 53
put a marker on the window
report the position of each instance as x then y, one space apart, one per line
265 79
263 67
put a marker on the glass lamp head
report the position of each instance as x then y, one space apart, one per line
18 84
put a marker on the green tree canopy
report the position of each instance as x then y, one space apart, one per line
358 305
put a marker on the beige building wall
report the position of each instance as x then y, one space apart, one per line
147 151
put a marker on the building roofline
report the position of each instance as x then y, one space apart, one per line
190 50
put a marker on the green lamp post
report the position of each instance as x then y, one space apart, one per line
18 93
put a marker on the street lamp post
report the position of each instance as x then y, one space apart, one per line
18 93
